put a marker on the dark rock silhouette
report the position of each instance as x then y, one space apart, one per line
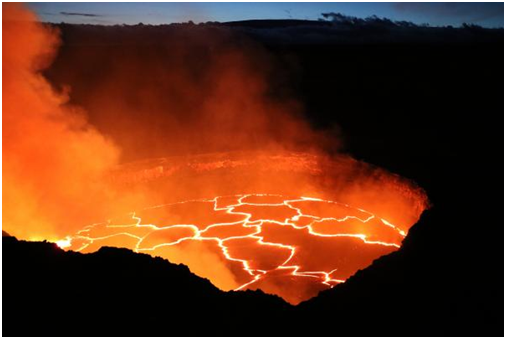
117 292
414 291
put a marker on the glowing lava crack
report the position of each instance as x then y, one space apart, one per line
292 247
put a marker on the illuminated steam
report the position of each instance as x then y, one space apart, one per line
207 99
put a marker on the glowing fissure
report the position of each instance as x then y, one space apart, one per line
253 228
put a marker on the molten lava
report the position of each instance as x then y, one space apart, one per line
290 246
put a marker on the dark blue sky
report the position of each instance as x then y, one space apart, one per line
437 14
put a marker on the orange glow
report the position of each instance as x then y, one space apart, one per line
50 154
280 214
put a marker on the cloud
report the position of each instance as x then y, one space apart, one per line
80 14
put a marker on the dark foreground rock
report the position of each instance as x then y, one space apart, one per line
50 292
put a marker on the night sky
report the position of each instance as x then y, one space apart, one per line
434 14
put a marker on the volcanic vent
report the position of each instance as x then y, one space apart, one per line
268 237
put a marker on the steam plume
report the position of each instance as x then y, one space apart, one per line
53 159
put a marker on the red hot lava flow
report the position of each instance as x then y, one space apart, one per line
272 211
285 244
292 247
